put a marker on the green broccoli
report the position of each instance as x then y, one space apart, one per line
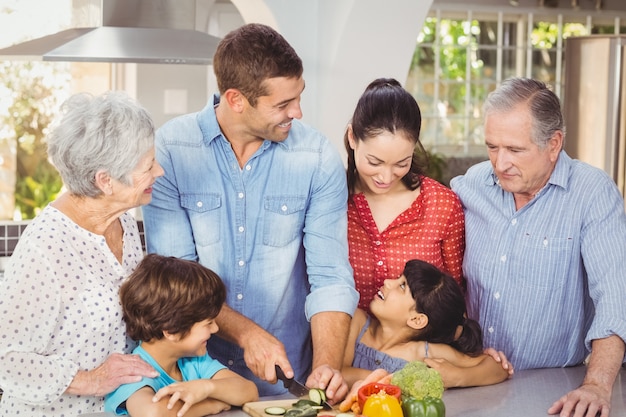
419 381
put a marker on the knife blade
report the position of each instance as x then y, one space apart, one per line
296 388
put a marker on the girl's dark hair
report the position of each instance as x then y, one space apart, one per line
386 106
169 294
440 297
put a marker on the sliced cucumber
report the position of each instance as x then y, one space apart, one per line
323 394
303 402
309 412
306 411
318 396
275 411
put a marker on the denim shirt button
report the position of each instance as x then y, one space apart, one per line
199 204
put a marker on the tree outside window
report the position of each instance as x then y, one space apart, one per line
458 61
30 96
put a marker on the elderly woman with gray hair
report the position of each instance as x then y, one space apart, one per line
63 344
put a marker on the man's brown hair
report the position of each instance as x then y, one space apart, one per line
249 55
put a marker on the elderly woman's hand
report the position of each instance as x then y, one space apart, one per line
116 370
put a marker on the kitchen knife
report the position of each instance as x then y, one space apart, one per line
296 388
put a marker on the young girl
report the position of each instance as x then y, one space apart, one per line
420 317
170 305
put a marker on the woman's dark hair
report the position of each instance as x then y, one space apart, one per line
439 296
386 106
169 294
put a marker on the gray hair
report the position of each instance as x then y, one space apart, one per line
110 132
544 106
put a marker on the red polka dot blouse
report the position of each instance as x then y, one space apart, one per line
432 229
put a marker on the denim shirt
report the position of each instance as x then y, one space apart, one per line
274 231
547 279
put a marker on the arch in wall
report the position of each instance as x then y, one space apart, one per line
343 45
256 11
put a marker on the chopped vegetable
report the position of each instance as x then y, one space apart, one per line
382 405
427 407
318 396
303 402
275 411
302 407
305 411
419 381
376 388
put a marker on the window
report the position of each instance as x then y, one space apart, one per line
31 93
462 55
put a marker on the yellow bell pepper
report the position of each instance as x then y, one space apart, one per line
382 405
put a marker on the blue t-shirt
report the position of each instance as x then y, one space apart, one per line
197 367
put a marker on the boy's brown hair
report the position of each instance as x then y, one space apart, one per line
169 294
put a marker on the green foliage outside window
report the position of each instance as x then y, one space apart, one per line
32 94
457 62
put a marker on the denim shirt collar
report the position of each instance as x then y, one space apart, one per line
210 128
207 121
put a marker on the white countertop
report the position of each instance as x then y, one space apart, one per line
528 394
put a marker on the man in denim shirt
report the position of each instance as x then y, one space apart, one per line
260 198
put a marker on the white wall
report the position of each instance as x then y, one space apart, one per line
344 44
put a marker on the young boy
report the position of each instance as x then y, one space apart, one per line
170 306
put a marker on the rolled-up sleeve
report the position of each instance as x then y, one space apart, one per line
326 242
603 248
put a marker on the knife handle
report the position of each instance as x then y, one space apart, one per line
279 373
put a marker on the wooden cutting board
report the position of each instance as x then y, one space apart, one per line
256 409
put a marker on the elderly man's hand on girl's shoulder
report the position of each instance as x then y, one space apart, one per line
500 357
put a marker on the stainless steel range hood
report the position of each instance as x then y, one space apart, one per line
140 31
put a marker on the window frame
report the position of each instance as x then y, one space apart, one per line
470 143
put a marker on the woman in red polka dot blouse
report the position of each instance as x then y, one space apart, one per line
395 213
